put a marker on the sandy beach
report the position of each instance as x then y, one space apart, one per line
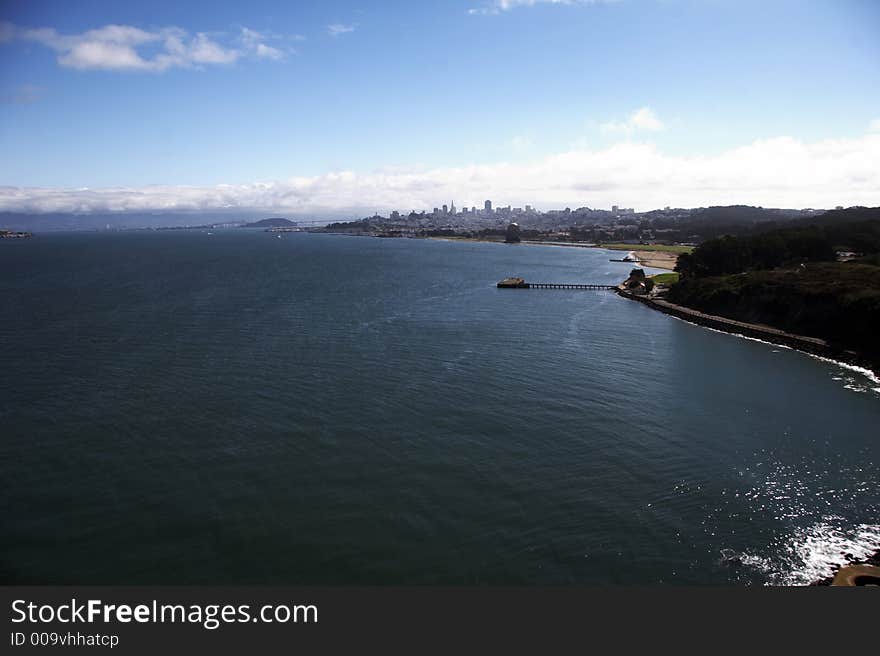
657 259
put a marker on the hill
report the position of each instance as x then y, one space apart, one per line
271 223
789 279
836 301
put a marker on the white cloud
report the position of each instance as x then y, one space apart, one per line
205 51
497 6
267 52
254 42
642 119
125 47
780 172
338 28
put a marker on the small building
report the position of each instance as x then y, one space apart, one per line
513 283
637 283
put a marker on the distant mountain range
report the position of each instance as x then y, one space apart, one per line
58 221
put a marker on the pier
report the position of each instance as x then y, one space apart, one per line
519 283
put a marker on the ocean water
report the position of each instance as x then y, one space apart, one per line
186 407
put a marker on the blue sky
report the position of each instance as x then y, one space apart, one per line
334 99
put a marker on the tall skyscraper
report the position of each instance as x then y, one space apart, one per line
487 207
452 208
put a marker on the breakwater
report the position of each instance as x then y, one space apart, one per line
812 345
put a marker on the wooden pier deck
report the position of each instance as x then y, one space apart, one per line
566 285
519 283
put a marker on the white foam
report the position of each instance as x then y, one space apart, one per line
816 552
850 383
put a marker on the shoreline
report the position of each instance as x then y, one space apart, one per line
657 259
813 346
653 259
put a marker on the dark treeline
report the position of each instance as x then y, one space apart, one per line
839 302
789 278
856 229
729 254
711 222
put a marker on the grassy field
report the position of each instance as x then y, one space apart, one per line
665 278
648 247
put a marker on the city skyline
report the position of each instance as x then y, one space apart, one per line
329 111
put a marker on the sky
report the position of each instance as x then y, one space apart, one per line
340 107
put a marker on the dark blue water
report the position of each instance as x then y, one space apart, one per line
183 407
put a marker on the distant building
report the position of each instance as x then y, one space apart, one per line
446 209
452 208
487 207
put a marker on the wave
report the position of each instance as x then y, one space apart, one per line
850 383
815 552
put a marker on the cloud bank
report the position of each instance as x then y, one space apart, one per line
129 48
779 172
